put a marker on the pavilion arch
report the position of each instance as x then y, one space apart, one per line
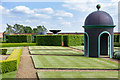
86 43
108 46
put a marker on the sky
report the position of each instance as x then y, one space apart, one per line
66 15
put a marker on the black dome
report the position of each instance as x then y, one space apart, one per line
98 18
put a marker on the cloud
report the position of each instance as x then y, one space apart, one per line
62 13
59 18
22 9
45 10
41 16
4 10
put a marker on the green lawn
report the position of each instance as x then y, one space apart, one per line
47 47
9 75
10 49
82 48
72 62
77 74
78 47
116 48
56 52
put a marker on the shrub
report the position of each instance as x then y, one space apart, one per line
12 62
73 40
3 51
116 55
29 38
116 44
18 38
34 38
117 38
17 44
49 40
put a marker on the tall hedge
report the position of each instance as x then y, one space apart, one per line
18 38
49 40
117 38
73 40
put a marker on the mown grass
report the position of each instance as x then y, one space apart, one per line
56 52
9 75
77 74
72 62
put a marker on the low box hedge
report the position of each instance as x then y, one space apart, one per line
49 40
18 38
3 51
17 44
73 40
11 63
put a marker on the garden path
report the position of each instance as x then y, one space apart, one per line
26 67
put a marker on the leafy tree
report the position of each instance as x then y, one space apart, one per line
28 29
18 28
9 29
41 28
35 30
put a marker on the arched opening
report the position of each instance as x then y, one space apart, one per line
104 46
86 44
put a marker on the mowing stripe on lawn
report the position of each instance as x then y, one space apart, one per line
77 74
47 47
72 62
55 52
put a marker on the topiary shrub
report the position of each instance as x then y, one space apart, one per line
49 40
3 51
73 40
116 55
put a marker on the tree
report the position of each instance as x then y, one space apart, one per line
9 29
18 28
35 30
28 29
41 28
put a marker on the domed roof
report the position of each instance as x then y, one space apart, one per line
98 18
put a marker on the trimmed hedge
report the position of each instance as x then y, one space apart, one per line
17 44
117 38
116 55
34 38
49 40
116 44
18 38
3 51
73 40
12 62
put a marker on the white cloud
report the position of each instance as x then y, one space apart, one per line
22 9
41 16
62 13
66 23
4 10
45 10
59 18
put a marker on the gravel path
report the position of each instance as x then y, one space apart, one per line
26 67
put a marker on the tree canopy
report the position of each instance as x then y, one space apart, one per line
17 28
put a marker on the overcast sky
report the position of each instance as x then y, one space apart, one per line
67 15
